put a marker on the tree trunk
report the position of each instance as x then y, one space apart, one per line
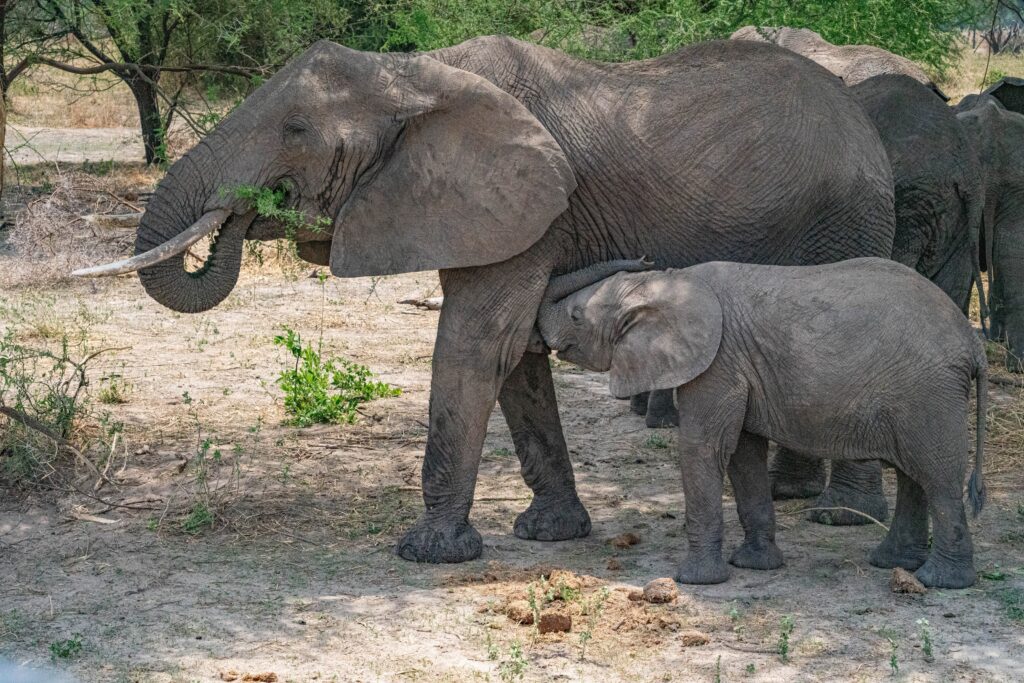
154 137
3 156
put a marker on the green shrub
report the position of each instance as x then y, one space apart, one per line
319 390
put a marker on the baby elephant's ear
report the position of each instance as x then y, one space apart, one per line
670 337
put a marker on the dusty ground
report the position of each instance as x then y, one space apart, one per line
296 576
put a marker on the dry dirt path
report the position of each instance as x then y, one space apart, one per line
29 145
298 577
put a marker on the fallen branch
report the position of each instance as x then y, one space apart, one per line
856 512
39 427
431 303
1006 381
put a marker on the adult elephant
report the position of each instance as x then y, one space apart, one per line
939 199
501 163
994 121
852 63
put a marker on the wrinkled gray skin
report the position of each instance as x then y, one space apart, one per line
499 163
995 123
939 198
860 360
852 63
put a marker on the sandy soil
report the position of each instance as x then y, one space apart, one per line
298 577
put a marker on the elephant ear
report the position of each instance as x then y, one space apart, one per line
1010 93
472 178
667 339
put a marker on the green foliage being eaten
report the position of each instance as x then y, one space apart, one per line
319 390
270 204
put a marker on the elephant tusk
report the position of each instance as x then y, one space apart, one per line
208 223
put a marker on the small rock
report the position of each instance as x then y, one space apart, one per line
229 675
553 622
636 595
903 581
625 540
519 611
614 565
267 677
694 638
661 590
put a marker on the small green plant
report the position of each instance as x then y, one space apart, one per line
655 441
894 660
592 609
492 648
785 631
531 599
319 390
513 668
718 669
751 669
1013 603
197 519
114 390
924 632
994 574
66 649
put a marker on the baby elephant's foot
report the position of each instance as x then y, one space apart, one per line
662 420
889 555
946 574
849 507
438 541
760 555
702 570
786 486
553 518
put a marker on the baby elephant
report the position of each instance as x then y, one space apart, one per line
861 360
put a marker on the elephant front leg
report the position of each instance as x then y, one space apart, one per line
527 400
853 496
748 472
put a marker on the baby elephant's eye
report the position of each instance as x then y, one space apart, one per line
576 314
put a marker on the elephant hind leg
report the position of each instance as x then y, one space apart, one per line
906 544
661 409
853 495
795 476
638 403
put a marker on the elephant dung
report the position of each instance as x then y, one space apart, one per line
623 541
903 581
694 638
519 611
660 591
553 622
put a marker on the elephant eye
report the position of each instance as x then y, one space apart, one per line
295 126
576 314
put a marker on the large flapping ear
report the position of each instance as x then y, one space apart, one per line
472 178
668 337
1010 93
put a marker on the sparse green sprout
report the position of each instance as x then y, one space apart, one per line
198 519
114 391
513 668
786 630
924 632
319 390
1013 603
751 669
492 647
718 669
894 661
66 649
655 441
994 574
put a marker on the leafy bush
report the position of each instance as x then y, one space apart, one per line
319 390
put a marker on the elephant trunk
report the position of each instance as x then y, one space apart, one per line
552 318
182 201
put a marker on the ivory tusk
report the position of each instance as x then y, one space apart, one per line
208 223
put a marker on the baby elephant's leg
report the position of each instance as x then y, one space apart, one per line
661 409
906 544
638 403
748 472
951 562
702 485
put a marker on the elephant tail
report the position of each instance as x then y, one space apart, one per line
976 485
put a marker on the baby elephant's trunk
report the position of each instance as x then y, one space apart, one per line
564 285
976 485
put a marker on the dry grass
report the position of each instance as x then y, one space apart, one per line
47 98
969 74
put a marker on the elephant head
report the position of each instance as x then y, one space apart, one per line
651 330
417 165
994 121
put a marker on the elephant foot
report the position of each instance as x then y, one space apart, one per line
853 506
440 542
1014 363
946 574
702 570
553 518
795 476
638 403
889 555
761 555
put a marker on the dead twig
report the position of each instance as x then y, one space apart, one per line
856 512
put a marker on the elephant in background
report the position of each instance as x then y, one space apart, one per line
994 121
500 163
852 63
